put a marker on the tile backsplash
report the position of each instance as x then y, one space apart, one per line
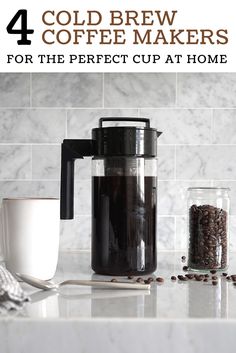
196 112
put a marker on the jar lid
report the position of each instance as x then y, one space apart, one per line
210 191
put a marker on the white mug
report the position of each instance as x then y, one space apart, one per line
30 236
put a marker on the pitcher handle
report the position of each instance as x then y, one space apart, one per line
70 151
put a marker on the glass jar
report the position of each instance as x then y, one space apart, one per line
208 228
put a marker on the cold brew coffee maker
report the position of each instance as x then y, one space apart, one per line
124 194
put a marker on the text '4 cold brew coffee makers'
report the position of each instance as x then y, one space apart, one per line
124 194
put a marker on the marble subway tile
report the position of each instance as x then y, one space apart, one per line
181 126
83 168
82 197
15 162
166 162
206 162
217 90
67 90
224 126
80 122
46 162
172 196
165 233
32 125
139 89
76 233
232 233
29 189
181 236
14 90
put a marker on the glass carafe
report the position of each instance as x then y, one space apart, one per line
124 195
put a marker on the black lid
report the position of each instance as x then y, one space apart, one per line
125 140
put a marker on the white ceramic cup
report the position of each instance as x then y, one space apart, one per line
30 238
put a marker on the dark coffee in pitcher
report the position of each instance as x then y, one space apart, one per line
124 225
124 195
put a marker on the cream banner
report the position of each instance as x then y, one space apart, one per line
118 36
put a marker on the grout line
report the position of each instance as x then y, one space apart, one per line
66 122
31 164
212 126
160 180
198 180
103 90
28 144
31 85
176 89
160 145
175 232
197 144
175 163
22 180
120 107
182 108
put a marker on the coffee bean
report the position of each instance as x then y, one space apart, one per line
207 238
147 281
214 283
234 284
198 278
185 268
180 277
205 280
189 276
150 279
228 278
224 274
114 280
213 272
206 275
184 279
160 279
214 278
130 277
140 280
183 258
173 278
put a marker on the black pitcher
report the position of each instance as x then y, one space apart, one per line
124 195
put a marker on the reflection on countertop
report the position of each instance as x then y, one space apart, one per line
171 300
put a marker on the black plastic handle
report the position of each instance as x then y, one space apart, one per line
142 120
70 151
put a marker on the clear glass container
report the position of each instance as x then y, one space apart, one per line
208 228
124 200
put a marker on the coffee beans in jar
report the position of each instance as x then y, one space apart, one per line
208 229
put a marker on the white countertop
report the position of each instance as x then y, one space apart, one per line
176 317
